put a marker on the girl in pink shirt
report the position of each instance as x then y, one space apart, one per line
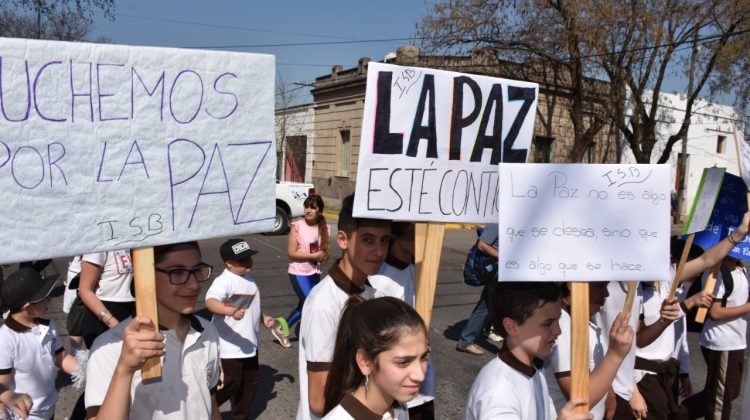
308 248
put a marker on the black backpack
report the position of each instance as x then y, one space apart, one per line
696 287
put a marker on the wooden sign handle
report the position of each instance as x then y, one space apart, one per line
579 355
681 265
428 246
145 300
700 317
628 307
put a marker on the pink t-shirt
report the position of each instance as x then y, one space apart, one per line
306 235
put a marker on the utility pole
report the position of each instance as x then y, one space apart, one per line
677 212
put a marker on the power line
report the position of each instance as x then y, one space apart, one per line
305 44
238 28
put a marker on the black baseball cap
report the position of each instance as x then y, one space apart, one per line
236 249
26 286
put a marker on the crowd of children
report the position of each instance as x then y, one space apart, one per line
363 351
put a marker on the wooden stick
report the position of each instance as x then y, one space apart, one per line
579 358
700 317
428 246
681 265
632 286
145 300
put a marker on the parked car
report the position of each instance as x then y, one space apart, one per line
290 198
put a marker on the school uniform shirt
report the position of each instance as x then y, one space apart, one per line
28 356
396 279
618 291
730 334
238 338
559 362
190 373
320 322
350 408
665 346
117 274
507 388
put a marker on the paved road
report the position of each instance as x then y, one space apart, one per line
278 392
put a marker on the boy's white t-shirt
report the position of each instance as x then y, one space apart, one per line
506 388
730 334
117 275
624 380
190 372
395 282
320 322
28 355
559 361
238 338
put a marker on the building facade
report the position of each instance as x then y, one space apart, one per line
339 103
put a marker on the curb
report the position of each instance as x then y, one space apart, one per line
452 226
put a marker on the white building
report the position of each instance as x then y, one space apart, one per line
711 140
294 143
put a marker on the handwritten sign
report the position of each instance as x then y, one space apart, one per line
705 198
727 214
431 141
743 150
106 146
578 222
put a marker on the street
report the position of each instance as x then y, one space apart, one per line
278 390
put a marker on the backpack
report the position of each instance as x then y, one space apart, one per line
697 286
479 268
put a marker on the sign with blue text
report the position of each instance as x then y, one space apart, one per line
727 214
584 222
110 147
431 141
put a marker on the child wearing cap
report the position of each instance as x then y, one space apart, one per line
30 350
234 299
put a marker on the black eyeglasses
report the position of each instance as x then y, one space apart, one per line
178 276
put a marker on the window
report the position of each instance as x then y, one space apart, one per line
721 144
543 149
343 169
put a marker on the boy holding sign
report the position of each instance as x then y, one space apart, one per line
364 243
526 314
189 346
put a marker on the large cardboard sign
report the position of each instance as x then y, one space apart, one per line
105 147
431 141
583 222
705 199
727 214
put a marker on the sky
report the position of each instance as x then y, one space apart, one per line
251 25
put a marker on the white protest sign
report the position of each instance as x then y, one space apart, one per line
705 199
584 222
431 141
106 146
743 151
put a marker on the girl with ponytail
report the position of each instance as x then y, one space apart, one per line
308 247
379 361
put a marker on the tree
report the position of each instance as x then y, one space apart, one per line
548 35
634 45
290 118
65 20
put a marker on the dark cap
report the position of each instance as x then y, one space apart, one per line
26 286
236 249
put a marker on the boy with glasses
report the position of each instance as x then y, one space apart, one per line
187 345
